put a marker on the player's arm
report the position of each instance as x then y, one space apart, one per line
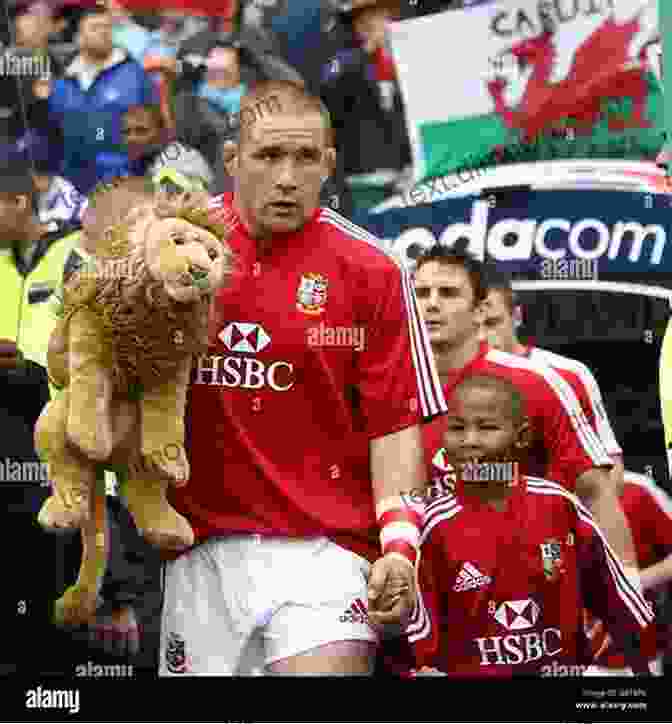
603 426
399 388
606 590
654 509
576 452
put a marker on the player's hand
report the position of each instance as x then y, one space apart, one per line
391 591
116 633
428 671
10 357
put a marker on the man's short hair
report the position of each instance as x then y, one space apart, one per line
458 255
96 11
281 96
500 281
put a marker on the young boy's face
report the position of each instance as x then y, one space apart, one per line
480 426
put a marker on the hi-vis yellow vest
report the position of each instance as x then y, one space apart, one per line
26 315
665 383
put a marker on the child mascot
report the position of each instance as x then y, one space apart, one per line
131 320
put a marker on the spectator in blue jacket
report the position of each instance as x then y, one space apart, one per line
89 102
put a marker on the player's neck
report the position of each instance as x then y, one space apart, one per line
519 349
450 358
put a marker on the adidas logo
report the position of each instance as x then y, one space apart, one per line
356 613
470 577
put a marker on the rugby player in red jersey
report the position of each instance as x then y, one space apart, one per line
501 315
450 286
303 425
647 507
509 561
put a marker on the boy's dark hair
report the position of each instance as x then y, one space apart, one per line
458 255
501 385
501 281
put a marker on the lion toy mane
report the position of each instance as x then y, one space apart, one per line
133 318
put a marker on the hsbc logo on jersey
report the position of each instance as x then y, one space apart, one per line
244 337
518 615
520 648
244 372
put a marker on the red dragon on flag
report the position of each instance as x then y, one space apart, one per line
603 67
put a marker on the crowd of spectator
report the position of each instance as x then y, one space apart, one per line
86 66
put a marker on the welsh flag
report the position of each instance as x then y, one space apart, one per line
523 81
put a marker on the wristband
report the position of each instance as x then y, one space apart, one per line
400 525
634 579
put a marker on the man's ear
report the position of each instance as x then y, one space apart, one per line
329 163
22 203
230 156
525 436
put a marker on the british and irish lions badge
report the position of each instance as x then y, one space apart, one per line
311 296
551 556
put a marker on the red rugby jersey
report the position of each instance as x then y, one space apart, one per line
585 386
317 348
648 509
565 445
501 593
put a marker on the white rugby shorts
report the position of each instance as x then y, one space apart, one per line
655 667
237 604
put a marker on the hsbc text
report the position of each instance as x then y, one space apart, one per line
519 648
246 372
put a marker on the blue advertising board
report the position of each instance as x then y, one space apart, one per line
628 234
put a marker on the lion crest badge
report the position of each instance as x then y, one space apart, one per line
551 556
311 296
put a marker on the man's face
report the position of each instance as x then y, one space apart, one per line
479 426
496 322
369 26
278 170
223 68
13 217
139 130
95 35
446 301
33 28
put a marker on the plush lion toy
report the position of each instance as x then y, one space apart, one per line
132 319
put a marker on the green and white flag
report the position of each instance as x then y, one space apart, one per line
529 80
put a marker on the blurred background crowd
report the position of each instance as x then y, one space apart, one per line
174 77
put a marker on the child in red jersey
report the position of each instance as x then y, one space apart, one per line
508 562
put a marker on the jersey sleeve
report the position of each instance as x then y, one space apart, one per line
572 445
397 378
654 509
607 593
602 424
422 632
